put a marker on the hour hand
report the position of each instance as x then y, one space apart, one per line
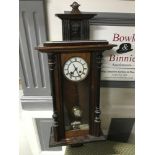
76 69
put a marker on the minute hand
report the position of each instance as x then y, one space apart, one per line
76 70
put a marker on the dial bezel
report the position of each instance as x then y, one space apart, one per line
81 79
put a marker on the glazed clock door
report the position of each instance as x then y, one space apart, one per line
76 69
75 90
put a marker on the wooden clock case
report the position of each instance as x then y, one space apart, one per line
67 94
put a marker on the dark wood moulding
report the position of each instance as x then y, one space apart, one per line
75 16
76 140
74 46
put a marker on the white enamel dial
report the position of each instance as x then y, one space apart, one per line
76 69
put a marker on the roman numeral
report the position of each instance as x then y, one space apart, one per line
71 61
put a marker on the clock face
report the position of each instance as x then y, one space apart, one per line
76 69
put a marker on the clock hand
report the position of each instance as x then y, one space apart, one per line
72 72
78 73
75 67
76 70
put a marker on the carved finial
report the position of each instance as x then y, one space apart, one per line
75 9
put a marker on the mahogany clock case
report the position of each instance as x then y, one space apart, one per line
75 103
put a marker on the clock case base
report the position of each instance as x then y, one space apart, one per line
75 141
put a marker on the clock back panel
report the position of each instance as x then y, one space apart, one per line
76 99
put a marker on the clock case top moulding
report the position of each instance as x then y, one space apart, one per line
56 51
77 46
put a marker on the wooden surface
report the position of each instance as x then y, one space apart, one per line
54 62
85 93
75 26
76 133
75 43
75 47
76 16
76 140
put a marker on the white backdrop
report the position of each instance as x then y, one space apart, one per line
116 67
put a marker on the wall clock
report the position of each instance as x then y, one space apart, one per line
75 82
